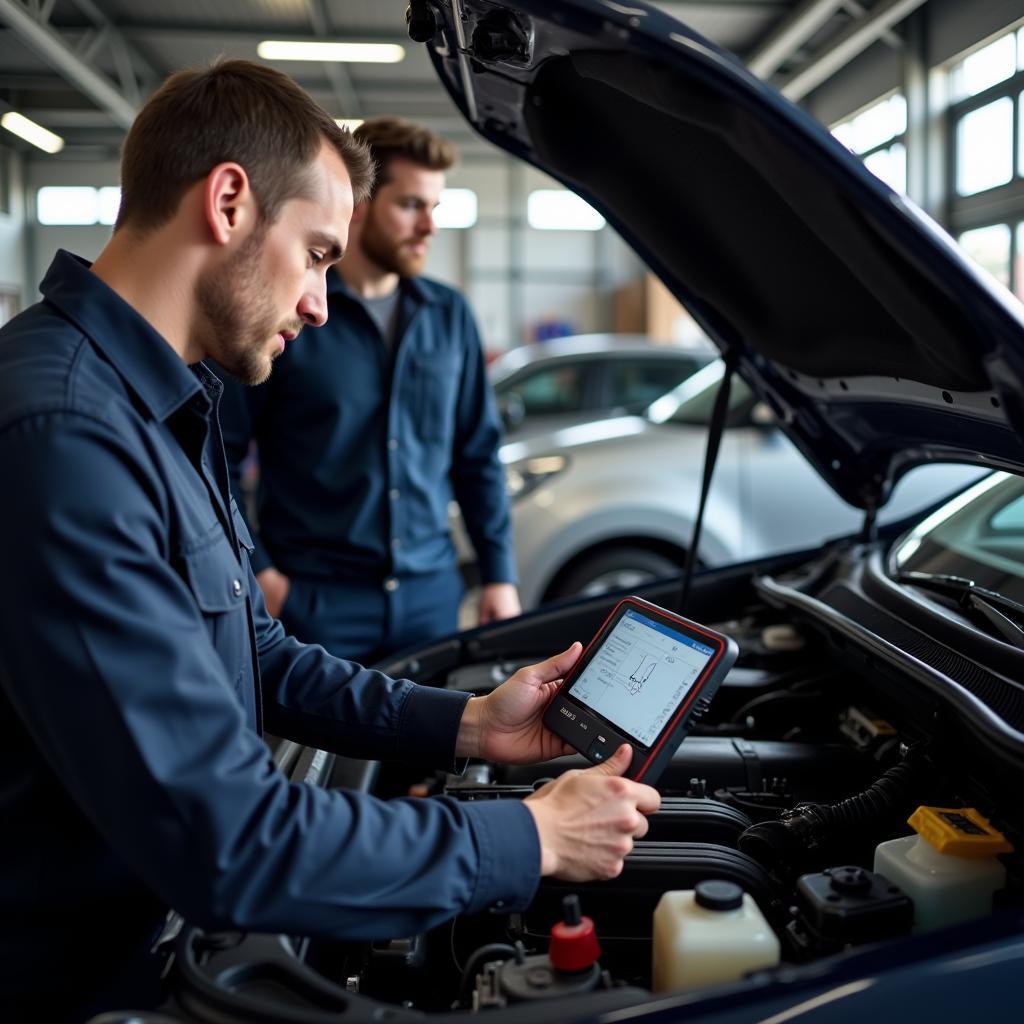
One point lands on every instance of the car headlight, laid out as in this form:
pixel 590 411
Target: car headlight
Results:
pixel 523 477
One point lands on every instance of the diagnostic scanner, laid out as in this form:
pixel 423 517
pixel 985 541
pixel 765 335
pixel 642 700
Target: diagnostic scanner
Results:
pixel 645 679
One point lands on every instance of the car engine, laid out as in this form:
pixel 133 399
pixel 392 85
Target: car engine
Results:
pixel 814 752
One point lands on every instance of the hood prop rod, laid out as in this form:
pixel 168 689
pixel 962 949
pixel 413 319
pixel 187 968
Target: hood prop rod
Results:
pixel 715 429
pixel 869 531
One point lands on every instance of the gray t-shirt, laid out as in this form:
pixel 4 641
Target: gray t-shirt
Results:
pixel 384 312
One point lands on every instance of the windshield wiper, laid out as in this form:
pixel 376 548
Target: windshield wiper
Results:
pixel 972 597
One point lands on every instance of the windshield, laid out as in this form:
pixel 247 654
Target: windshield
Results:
pixel 978 536
pixel 692 401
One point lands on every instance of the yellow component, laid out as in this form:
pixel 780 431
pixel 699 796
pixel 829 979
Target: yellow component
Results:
pixel 959 831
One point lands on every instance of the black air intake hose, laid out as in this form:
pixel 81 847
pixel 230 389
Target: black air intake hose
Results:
pixel 793 842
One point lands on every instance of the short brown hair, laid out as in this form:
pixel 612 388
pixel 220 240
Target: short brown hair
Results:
pixel 390 137
pixel 237 111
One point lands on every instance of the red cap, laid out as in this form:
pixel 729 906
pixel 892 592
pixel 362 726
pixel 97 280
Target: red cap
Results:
pixel 574 947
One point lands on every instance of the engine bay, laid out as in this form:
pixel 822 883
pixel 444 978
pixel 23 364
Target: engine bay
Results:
pixel 810 757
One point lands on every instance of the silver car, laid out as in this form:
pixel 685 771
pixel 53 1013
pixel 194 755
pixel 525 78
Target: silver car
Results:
pixel 556 383
pixel 610 504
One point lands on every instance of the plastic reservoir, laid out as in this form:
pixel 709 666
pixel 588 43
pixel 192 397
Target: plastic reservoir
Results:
pixel 949 869
pixel 707 935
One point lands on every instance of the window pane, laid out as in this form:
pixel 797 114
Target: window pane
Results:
pixel 890 165
pixel 456 208
pixel 636 383
pixel 872 127
pixel 991 64
pixel 1018 264
pixel 553 390
pixel 990 248
pixel 109 204
pixel 557 209
pixel 984 147
pixel 64 205
pixel 1020 133
pixel 696 411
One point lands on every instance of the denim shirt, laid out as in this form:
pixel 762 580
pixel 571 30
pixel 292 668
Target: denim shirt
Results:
pixel 361 453
pixel 137 662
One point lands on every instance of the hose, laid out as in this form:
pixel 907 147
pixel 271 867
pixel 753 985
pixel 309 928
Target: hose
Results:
pixel 784 845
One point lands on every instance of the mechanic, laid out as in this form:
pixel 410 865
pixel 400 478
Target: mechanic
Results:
pixel 138 664
pixel 368 429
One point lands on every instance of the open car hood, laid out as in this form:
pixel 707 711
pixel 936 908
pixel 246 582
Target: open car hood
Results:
pixel 876 342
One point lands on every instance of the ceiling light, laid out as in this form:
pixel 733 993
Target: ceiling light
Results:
pixel 351 123
pixel 18 124
pixel 364 53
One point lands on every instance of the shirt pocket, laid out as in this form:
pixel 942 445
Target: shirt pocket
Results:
pixel 220 588
pixel 434 379
pixel 215 578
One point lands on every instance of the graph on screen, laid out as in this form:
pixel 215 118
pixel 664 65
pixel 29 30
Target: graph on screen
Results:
pixel 641 675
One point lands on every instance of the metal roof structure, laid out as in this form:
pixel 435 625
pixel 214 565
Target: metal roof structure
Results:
pixel 81 68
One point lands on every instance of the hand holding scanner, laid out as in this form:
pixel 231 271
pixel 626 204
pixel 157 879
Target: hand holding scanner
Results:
pixel 645 679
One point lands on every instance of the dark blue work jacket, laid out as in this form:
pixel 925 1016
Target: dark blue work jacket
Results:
pixel 136 663
pixel 361 453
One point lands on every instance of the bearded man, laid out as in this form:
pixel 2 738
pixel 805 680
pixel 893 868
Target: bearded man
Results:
pixel 369 429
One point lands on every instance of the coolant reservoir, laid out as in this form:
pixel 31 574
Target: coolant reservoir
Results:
pixel 713 933
pixel 949 869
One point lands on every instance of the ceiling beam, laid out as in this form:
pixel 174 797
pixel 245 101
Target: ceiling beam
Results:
pixel 337 74
pixel 850 43
pixel 48 45
pixel 787 38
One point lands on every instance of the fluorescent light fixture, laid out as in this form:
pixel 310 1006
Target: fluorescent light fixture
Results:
pixel 351 123
pixel 360 53
pixel 456 208
pixel 57 204
pixel 18 124
pixel 557 209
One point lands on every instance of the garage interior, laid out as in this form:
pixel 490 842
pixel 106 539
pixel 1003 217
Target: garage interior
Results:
pixel 910 86
pixel 834 724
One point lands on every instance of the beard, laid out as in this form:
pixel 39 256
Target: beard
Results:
pixel 236 316
pixel 392 257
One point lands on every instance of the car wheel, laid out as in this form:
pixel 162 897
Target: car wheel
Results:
pixel 618 568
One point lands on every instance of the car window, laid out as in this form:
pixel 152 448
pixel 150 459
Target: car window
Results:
pixel 635 383
pixel 695 411
pixel 978 536
pixel 548 390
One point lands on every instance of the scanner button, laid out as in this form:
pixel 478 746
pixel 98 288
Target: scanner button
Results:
pixel 599 749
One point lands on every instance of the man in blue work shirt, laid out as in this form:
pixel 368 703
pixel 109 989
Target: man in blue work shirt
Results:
pixel 138 664
pixel 368 429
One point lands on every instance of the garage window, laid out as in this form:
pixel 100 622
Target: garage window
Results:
pixel 876 135
pixel 77 205
pixel 986 138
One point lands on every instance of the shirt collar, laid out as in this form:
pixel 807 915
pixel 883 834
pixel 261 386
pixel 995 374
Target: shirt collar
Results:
pixel 142 356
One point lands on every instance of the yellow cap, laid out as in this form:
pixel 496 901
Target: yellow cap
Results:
pixel 959 831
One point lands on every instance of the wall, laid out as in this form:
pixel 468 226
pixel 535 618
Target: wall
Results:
pixel 44 241
pixel 516 276
pixel 513 275
pixel 13 284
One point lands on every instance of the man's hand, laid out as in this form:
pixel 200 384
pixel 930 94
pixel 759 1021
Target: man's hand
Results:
pixel 498 601
pixel 588 818
pixel 275 586
pixel 506 725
